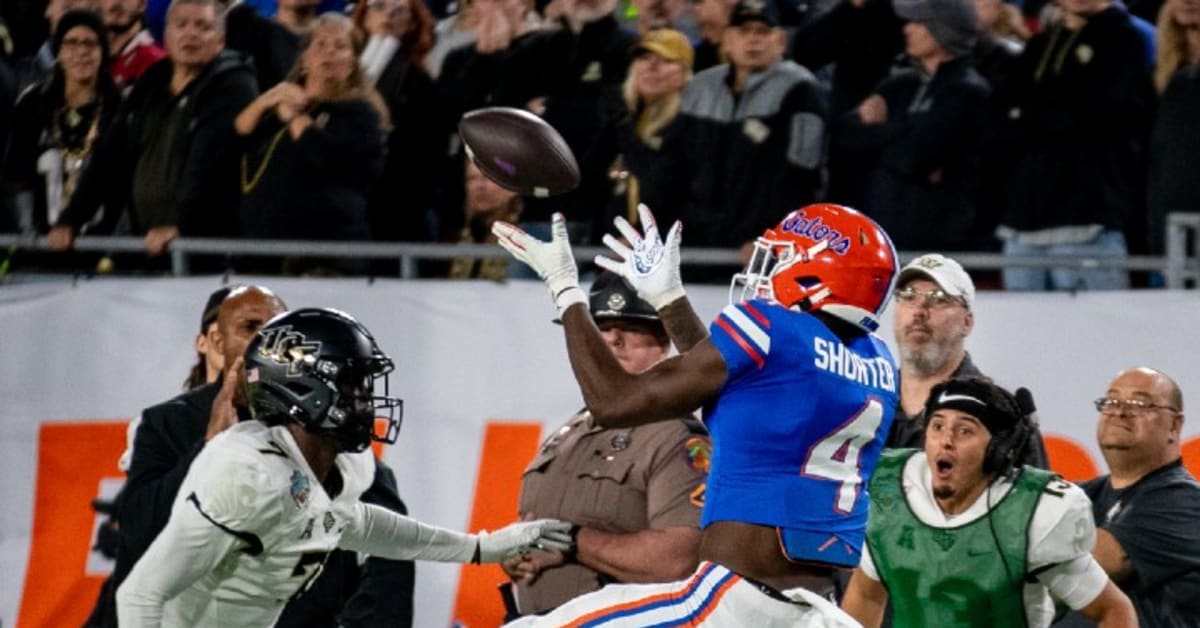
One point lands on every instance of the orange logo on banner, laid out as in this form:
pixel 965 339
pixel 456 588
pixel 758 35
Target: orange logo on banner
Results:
pixel 507 448
pixel 73 458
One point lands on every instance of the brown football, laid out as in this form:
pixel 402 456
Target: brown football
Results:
pixel 519 151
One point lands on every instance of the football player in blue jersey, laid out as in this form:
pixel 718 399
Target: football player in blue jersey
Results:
pixel 798 394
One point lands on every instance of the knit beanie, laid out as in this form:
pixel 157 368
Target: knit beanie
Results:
pixel 953 23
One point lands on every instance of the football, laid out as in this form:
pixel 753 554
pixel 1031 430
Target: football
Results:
pixel 519 151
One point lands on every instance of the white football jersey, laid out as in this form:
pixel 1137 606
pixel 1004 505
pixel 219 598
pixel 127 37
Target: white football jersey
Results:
pixel 254 518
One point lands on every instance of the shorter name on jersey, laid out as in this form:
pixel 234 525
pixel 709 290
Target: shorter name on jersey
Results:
pixel 876 372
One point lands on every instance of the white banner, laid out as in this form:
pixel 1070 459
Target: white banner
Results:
pixel 467 352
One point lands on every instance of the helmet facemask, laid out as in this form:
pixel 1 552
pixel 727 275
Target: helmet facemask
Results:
pixel 770 259
pixel 353 407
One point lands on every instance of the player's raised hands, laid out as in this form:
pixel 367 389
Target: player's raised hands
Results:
pixel 650 265
pixel 553 261
pixel 525 536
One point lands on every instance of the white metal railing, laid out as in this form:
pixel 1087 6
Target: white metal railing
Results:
pixel 1179 268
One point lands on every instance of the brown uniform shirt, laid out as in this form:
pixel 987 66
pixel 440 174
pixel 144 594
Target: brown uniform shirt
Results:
pixel 616 480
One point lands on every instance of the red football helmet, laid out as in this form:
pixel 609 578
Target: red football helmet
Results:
pixel 824 257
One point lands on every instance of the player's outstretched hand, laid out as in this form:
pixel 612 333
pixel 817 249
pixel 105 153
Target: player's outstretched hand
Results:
pixel 524 536
pixel 552 261
pixel 650 265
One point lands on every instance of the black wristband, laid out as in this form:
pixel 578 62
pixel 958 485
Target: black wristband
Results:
pixel 572 554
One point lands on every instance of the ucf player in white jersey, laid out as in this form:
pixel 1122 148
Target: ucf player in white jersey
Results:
pixel 267 500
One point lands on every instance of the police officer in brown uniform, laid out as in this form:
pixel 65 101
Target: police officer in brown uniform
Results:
pixel 634 494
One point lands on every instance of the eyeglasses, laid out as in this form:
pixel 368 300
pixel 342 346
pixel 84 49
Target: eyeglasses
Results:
pixel 934 299
pixel 1137 407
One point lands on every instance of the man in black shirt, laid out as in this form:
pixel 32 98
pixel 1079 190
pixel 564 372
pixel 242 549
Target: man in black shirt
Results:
pixel 1146 509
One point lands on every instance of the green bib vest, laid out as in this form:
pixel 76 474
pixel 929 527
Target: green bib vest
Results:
pixel 947 577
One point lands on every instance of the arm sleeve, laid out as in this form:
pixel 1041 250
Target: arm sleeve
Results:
pixel 384 596
pixel 674 492
pixel 1062 536
pixel 741 335
pixel 380 532
pixel 1076 582
pixel 189 547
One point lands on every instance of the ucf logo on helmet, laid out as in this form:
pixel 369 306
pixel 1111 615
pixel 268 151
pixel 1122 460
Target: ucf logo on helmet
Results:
pixel 283 345
pixel 800 224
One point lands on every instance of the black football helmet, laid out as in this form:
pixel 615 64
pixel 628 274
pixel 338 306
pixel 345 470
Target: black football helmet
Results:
pixel 318 367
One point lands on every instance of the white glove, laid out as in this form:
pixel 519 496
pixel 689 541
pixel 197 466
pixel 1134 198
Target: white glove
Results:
pixel 524 536
pixel 553 260
pixel 650 266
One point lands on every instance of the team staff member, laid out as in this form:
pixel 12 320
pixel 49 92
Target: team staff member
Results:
pixel 633 493
pixel 1146 508
pixel 958 536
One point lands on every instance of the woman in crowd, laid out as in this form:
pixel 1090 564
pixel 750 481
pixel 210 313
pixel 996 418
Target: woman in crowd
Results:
pixel 648 167
pixel 1175 138
pixel 58 121
pixel 399 35
pixel 486 203
pixel 314 146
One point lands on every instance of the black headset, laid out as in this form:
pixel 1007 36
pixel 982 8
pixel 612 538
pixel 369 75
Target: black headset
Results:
pixel 1007 449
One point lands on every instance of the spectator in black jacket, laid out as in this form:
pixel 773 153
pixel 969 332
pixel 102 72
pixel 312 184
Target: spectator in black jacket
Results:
pixel 273 43
pixel 399 35
pixel 172 433
pixel 168 154
pixel 1078 105
pixel 861 40
pixel 481 73
pixel 754 134
pixel 645 144
pixel 572 76
pixel 59 121
pixel 921 129
pixel 314 146
pixel 1175 139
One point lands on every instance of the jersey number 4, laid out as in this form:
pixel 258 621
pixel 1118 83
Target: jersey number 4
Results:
pixel 836 456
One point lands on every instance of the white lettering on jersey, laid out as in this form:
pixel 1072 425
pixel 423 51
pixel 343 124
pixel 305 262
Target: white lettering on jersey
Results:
pixel 836 358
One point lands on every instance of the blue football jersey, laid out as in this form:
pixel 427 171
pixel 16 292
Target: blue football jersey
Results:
pixel 797 428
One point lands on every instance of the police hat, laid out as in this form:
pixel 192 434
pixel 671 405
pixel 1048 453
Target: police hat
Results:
pixel 611 297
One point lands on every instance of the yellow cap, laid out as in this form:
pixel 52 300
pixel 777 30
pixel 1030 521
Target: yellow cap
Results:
pixel 668 44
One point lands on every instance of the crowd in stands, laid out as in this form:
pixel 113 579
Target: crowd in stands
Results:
pixel 1060 128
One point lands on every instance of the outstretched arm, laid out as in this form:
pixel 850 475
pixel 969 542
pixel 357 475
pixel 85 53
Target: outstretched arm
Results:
pixel 381 532
pixel 865 599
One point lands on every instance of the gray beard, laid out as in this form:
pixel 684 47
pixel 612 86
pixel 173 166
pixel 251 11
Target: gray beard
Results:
pixel 928 361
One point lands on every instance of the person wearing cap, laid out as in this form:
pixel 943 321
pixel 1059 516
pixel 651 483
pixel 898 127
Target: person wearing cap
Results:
pixel 959 534
pixel 1077 106
pixel 755 134
pixel 57 123
pixel 932 317
pixel 922 128
pixel 634 494
pixel 646 145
